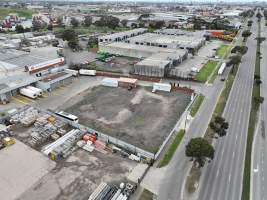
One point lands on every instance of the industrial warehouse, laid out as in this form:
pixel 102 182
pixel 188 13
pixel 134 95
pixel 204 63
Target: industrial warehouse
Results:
pixel 159 52
pixel 21 69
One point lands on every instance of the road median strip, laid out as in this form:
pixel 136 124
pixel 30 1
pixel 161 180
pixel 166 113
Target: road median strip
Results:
pixel 255 104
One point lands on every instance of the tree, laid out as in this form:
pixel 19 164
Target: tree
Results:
pixel 69 34
pixel 246 34
pixel 200 150
pixel 259 16
pixel 157 24
pixel 259 100
pixel 36 25
pixel 234 60
pixel 87 21
pixel 240 49
pixel 124 22
pixel 221 132
pixel 73 44
pixel 20 29
pixel 92 42
pixel 109 21
pixel 74 22
pixel 50 27
pixel 219 120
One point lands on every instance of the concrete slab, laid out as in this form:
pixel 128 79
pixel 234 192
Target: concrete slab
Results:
pixel 20 168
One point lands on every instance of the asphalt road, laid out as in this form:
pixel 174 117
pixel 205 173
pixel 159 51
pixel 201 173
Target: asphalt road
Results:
pixel 222 178
pixel 259 156
pixel 178 168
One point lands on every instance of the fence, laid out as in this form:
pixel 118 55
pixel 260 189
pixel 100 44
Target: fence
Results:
pixel 106 138
pixel 173 131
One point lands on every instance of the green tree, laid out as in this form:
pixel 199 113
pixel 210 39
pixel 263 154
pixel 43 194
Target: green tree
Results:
pixel 74 22
pixel 87 21
pixel 200 150
pixel 124 22
pixel 20 29
pixel 69 34
pixel 73 44
pixel 109 21
pixel 234 60
pixel 37 25
pixel 246 34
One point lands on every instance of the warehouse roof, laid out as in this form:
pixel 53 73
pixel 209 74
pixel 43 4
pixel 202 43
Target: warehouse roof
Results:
pixel 181 40
pixel 144 48
pixel 20 58
pixel 121 34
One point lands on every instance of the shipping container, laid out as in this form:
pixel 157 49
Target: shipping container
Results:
pixel 162 87
pixel 72 72
pixel 87 72
pixel 110 82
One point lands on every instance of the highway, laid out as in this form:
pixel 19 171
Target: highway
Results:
pixel 259 156
pixel 177 170
pixel 222 178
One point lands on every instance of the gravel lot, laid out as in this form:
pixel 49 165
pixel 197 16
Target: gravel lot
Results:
pixel 139 116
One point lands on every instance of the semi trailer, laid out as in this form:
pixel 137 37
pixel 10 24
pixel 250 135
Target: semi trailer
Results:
pixel 36 90
pixel 28 93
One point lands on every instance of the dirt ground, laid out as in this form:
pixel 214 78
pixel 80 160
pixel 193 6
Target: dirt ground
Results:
pixel 117 64
pixel 77 177
pixel 139 116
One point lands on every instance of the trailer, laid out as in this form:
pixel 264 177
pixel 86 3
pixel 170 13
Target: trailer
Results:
pixel 87 72
pixel 221 69
pixel 72 72
pixel 36 90
pixel 28 93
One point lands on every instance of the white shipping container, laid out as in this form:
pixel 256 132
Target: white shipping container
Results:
pixel 28 93
pixel 72 72
pixel 36 90
pixel 110 82
pixel 87 72
pixel 162 87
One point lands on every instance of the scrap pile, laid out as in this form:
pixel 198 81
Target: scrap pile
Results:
pixel 108 192
pixel 46 127
pixel 64 146
pixel 26 117
pixel 90 142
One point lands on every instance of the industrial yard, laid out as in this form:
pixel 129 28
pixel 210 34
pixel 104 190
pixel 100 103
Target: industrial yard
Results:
pixel 79 175
pixel 139 116
pixel 72 172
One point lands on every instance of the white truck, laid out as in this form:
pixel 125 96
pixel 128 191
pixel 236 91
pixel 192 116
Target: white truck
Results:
pixel 28 93
pixel 221 69
pixel 87 72
pixel 36 90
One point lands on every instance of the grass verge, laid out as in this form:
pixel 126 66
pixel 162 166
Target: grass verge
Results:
pixel 146 195
pixel 206 71
pixel 221 52
pixel 27 13
pixel 169 154
pixel 196 105
pixel 251 127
